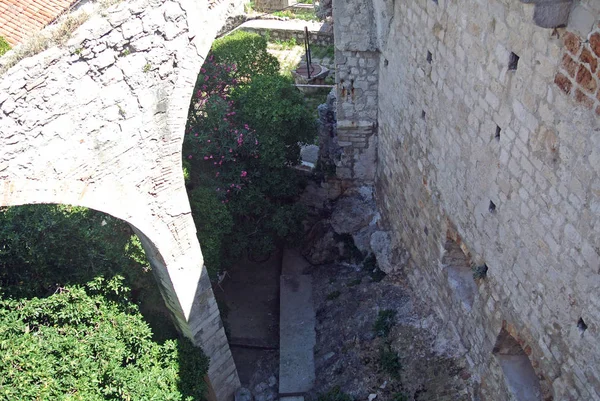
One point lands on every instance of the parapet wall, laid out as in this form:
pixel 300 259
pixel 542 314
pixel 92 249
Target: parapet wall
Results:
pixel 489 156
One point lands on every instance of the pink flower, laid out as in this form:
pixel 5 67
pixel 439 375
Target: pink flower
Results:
pixel 205 78
pixel 230 150
pixel 244 173
pixel 209 139
pixel 205 157
pixel 190 156
pixel 195 134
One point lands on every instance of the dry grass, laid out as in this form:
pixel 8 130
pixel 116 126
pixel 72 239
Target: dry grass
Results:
pixel 56 35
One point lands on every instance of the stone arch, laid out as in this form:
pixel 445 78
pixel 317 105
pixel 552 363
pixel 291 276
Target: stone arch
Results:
pixel 519 375
pixel 100 122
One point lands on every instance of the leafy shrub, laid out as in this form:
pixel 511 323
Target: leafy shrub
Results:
pixel 335 394
pixel 4 46
pixel 386 319
pixel 45 246
pixel 247 52
pixel 278 113
pixel 243 134
pixel 90 343
pixel 333 295
pixel 389 361
pixel 213 222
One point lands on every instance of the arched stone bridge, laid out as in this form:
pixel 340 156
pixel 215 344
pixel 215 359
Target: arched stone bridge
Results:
pixel 99 123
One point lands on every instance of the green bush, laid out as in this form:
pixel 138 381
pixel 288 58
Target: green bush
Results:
pixel 4 46
pixel 213 222
pixel 386 319
pixel 244 129
pixel 90 343
pixel 45 246
pixel 247 52
pixel 389 361
pixel 276 109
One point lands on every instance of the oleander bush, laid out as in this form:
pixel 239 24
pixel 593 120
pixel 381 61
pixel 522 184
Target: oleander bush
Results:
pixel 244 130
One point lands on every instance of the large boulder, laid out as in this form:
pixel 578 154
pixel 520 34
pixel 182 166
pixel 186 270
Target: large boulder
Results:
pixel 354 211
pixel 389 258
pixel 321 245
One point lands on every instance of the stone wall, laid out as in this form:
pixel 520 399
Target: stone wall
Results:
pixel 317 37
pixel 489 157
pixel 273 5
pixel 99 123
pixel 357 67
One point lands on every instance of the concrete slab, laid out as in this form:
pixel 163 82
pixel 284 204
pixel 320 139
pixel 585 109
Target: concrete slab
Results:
pixel 297 335
pixel 293 263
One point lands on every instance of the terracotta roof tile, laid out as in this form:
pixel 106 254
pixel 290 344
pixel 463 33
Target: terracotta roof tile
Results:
pixel 20 19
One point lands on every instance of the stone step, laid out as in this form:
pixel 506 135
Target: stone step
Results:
pixel 296 328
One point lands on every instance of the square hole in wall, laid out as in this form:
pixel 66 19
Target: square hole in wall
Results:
pixel 492 207
pixel 423 114
pixel 435 1
pixel 513 61
pixel 429 57
pixel 497 134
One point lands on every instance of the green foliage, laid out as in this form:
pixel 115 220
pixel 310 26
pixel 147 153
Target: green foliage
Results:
pixel 299 13
pixel 335 394
pixel 321 52
pixel 389 361
pixel 333 295
pixel 4 46
pixel 400 397
pixel 44 246
pixel 213 222
pixel 286 44
pixel 247 52
pixel 278 113
pixel 386 319
pixel 243 134
pixel 90 343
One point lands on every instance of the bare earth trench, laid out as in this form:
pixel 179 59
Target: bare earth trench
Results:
pixel 347 353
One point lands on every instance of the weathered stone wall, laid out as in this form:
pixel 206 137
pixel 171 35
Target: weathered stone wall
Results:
pixel 483 145
pixel 357 68
pixel 100 123
pixel 321 38
pixel 273 5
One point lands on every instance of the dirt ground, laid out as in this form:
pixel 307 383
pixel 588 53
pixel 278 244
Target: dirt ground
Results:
pixel 400 366
pixel 249 302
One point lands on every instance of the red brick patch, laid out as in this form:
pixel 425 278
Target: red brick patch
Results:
pixel 585 79
pixel 588 58
pixel 572 43
pixel 569 65
pixel 584 99
pixel 563 83
pixel 595 43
